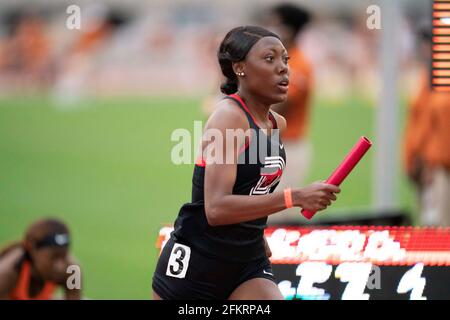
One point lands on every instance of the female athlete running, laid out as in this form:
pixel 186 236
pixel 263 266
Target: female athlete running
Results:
pixel 217 250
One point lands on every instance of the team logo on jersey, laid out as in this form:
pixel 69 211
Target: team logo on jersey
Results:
pixel 270 175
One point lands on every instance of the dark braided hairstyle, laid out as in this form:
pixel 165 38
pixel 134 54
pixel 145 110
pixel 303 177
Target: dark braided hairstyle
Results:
pixel 234 48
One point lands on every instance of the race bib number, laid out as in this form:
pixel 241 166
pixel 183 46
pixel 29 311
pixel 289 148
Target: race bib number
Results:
pixel 178 261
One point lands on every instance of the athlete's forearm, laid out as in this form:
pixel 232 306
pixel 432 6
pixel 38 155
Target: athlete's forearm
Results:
pixel 232 209
pixel 73 294
pixel 7 281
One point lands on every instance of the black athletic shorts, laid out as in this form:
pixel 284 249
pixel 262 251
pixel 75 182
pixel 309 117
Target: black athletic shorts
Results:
pixel 183 273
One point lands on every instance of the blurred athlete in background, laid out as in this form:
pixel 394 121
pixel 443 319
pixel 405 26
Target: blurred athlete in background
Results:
pixel 427 144
pixel 288 21
pixel 34 268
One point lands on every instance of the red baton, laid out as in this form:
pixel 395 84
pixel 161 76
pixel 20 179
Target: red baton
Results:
pixel 346 166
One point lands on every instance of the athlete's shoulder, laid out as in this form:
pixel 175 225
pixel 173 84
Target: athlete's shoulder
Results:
pixel 8 271
pixel 228 114
pixel 281 121
pixel 11 258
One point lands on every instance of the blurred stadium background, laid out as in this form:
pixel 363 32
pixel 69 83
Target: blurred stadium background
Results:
pixel 86 116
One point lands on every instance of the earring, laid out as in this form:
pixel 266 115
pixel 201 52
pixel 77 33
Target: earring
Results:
pixel 241 74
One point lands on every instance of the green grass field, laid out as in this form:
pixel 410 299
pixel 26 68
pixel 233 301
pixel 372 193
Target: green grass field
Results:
pixel 105 169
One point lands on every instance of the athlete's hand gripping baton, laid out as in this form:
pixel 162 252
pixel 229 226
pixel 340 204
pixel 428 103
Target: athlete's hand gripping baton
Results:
pixel 346 166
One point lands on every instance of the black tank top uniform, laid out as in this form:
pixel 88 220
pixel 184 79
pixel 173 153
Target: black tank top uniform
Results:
pixel 242 241
pixel 219 258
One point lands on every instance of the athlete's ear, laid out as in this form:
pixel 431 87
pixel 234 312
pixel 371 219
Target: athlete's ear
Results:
pixel 238 68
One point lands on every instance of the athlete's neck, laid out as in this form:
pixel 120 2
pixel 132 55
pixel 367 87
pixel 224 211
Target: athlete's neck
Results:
pixel 258 109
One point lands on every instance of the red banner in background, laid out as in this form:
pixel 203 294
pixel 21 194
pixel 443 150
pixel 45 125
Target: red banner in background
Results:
pixel 334 245
pixel 379 245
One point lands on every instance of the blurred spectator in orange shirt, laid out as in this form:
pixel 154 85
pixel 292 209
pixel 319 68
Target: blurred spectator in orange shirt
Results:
pixel 93 36
pixel 427 146
pixel 27 52
pixel 288 21
pixel 83 56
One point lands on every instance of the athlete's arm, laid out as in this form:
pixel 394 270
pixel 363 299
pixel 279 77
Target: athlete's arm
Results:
pixel 221 206
pixel 8 275
pixel 72 294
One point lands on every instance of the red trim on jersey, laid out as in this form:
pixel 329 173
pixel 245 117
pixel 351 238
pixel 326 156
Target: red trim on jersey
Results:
pixel 235 96
pixel 246 144
pixel 272 119
pixel 271 116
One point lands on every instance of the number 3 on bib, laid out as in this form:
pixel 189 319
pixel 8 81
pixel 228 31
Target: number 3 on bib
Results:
pixel 178 261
